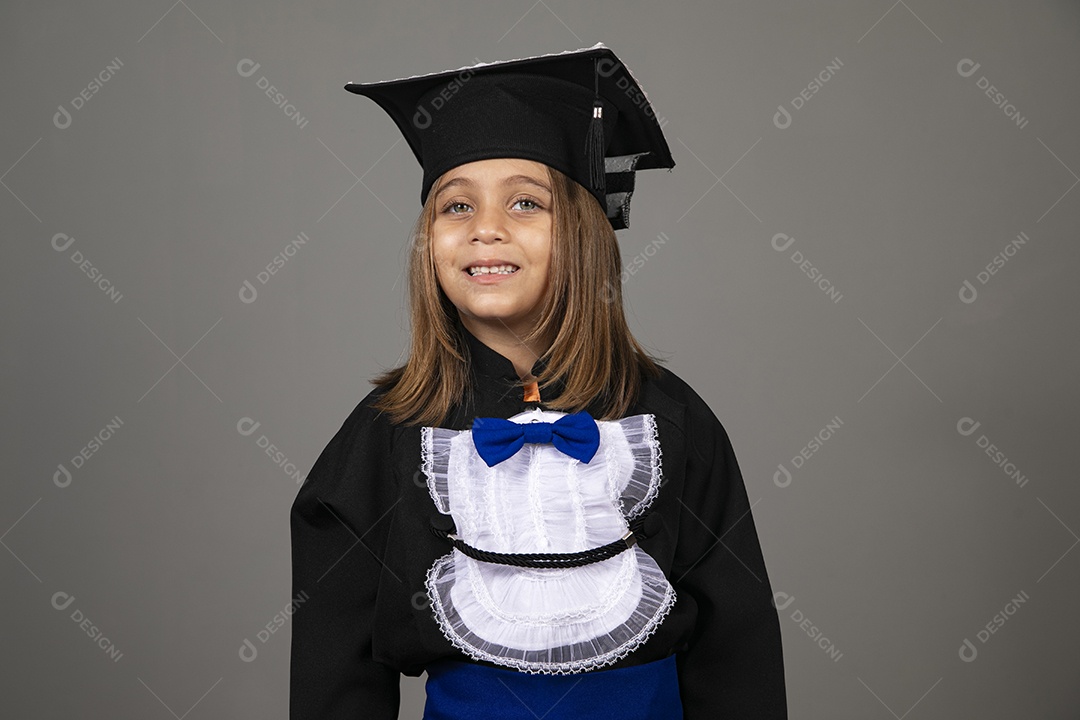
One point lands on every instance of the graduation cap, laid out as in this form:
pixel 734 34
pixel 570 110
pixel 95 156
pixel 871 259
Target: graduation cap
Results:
pixel 580 111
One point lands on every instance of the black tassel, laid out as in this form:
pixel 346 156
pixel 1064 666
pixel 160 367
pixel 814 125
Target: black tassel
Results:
pixel 594 143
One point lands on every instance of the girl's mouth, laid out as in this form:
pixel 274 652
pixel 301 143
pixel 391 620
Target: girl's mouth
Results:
pixel 475 270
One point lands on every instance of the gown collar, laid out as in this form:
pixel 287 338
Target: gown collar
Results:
pixel 491 364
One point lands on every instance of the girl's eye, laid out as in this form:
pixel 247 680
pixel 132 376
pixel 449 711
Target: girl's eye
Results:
pixel 529 203
pixel 456 208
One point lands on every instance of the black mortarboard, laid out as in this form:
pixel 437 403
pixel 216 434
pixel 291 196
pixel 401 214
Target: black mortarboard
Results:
pixel 581 112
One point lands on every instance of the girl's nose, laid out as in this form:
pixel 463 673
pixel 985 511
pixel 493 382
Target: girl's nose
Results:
pixel 489 225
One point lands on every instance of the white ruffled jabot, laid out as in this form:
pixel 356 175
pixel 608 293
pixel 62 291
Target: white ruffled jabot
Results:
pixel 547 620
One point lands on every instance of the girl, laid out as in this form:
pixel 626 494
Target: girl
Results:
pixel 530 509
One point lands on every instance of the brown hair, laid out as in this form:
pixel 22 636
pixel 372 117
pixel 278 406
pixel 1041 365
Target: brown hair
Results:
pixel 591 349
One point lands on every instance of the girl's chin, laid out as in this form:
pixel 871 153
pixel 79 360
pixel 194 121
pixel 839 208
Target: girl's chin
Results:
pixel 497 319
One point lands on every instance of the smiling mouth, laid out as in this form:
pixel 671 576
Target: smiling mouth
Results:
pixel 491 270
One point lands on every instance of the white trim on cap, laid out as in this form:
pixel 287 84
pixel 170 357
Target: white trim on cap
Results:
pixel 597 46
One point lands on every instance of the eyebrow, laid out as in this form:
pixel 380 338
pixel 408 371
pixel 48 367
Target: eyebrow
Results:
pixel 462 181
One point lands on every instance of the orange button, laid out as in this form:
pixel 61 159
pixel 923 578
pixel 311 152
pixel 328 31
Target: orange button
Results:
pixel 532 392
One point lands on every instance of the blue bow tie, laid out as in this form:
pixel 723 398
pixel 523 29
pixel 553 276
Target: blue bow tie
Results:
pixel 497 439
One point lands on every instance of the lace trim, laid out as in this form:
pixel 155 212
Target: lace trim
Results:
pixel 436 486
pixel 656 601
pixel 534 481
pixel 647 476
pixel 581 519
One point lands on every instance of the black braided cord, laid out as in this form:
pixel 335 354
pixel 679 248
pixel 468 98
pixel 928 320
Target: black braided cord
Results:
pixel 542 560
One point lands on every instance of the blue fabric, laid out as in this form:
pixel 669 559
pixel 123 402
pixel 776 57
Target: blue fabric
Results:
pixel 497 439
pixel 467 691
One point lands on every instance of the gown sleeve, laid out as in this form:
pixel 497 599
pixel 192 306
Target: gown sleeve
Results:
pixel 733 666
pixel 339 522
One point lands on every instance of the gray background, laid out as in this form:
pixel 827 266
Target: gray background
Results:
pixel 898 540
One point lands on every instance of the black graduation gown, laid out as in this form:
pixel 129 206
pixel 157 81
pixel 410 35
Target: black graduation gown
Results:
pixel 362 544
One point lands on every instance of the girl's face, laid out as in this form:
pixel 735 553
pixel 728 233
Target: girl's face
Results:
pixel 491 240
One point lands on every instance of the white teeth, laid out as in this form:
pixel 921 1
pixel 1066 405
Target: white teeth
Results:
pixel 492 269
